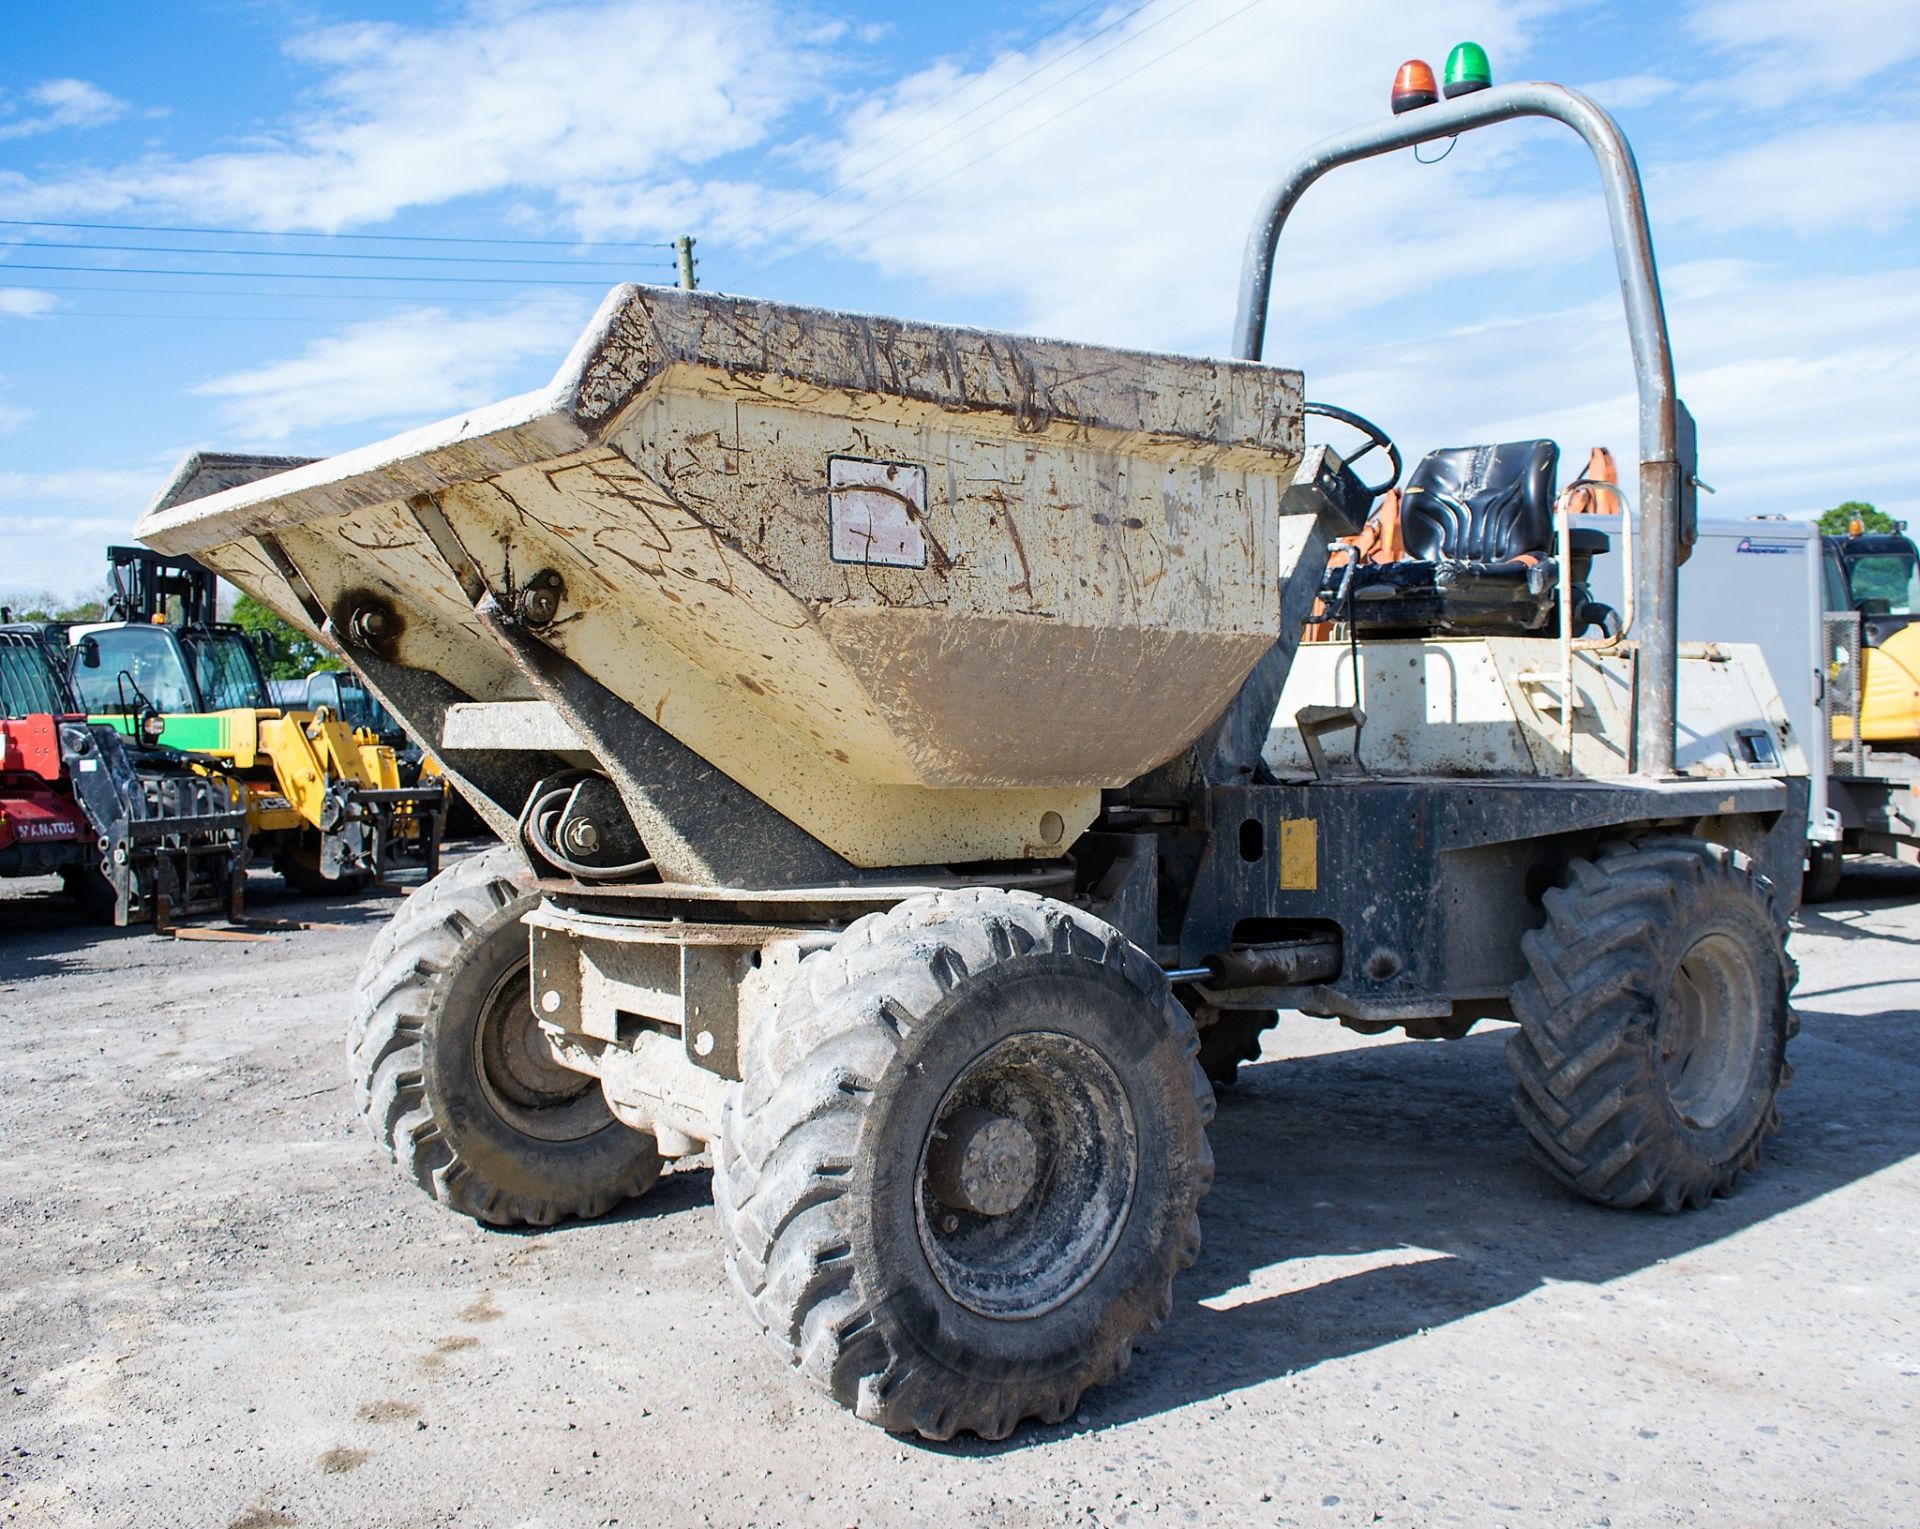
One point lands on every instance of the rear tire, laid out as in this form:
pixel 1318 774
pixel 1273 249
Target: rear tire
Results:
pixel 1654 1024
pixel 1825 866
pixel 308 882
pixel 966 1162
pixel 452 1074
pixel 1229 1037
pixel 92 894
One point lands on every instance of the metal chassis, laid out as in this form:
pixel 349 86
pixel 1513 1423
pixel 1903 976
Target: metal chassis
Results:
pixel 1423 888
pixel 1879 812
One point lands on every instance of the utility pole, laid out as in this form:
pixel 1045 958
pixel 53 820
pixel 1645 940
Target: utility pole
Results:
pixel 684 244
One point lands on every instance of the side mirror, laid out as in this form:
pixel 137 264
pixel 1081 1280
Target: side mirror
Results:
pixel 269 648
pixel 89 653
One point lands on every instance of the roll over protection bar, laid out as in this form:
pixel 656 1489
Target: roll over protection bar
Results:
pixel 1668 485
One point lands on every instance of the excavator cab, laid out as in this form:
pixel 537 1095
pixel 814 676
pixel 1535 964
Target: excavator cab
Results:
pixel 1876 575
pixel 1882 574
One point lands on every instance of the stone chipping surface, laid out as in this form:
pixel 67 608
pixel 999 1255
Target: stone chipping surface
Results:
pixel 220 1305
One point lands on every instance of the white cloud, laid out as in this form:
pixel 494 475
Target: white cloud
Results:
pixel 82 485
pixel 1801 385
pixel 416 365
pixel 55 526
pixel 1103 190
pixel 1856 177
pixel 1779 50
pixel 1630 91
pixel 573 102
pixel 60 104
pixel 26 302
pixel 12 416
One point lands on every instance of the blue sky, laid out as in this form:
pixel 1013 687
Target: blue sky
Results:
pixel 1081 170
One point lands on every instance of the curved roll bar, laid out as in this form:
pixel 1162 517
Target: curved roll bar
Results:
pixel 1667 481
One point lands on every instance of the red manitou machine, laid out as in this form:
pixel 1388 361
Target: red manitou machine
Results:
pixel 136 833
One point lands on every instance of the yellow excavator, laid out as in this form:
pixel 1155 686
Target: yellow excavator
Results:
pixel 1871 696
pixel 1876 575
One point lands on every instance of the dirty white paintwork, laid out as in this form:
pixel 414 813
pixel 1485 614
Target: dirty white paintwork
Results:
pixel 1469 706
pixel 1101 534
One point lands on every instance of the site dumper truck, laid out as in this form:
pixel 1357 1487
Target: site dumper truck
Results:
pixel 891 732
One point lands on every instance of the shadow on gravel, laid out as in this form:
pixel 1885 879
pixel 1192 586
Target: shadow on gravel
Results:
pixel 1364 1196
pixel 1870 884
pixel 42 935
pixel 680 1189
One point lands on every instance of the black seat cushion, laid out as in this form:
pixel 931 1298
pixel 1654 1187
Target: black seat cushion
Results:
pixel 1481 504
pixel 1469 516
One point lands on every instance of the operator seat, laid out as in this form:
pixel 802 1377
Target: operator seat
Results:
pixel 1477 523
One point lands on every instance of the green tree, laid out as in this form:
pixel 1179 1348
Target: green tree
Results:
pixel 1836 520
pixel 44 605
pixel 294 654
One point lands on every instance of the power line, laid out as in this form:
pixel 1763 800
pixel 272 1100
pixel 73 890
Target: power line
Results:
pixel 317 320
pixel 137 270
pixel 843 186
pixel 262 233
pixel 260 292
pixel 165 249
pixel 861 222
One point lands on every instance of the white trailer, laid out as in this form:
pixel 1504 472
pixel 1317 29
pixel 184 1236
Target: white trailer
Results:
pixel 1775 583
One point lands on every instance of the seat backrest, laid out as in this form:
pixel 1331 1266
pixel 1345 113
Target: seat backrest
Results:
pixel 1483 504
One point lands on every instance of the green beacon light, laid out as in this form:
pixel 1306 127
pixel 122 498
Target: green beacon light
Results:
pixel 1467 70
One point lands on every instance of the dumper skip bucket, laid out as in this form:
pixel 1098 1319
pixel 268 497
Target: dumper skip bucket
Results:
pixel 923 590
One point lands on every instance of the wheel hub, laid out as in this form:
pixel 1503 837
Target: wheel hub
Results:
pixel 1026 1175
pixel 982 1162
pixel 1708 1032
pixel 518 1074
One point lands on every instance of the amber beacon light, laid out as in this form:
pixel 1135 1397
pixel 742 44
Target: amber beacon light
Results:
pixel 1413 86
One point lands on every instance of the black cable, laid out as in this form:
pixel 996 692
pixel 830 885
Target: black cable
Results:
pixel 288 233
pixel 540 824
pixel 165 249
pixel 317 320
pixel 140 270
pixel 276 296
pixel 1438 157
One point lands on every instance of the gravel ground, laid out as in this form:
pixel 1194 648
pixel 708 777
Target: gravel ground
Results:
pixel 219 1305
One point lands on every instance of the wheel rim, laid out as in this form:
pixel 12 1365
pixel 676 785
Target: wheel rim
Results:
pixel 1026 1176
pixel 522 1082
pixel 1708 1031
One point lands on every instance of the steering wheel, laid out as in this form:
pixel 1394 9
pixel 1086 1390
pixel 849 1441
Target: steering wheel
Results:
pixel 1377 440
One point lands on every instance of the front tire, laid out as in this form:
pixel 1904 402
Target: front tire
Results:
pixel 454 1077
pixel 966 1162
pixel 1653 1024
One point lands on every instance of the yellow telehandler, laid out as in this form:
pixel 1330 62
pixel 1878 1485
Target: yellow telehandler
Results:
pixel 324 801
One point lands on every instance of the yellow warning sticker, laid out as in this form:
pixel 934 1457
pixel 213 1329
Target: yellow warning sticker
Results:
pixel 1299 856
